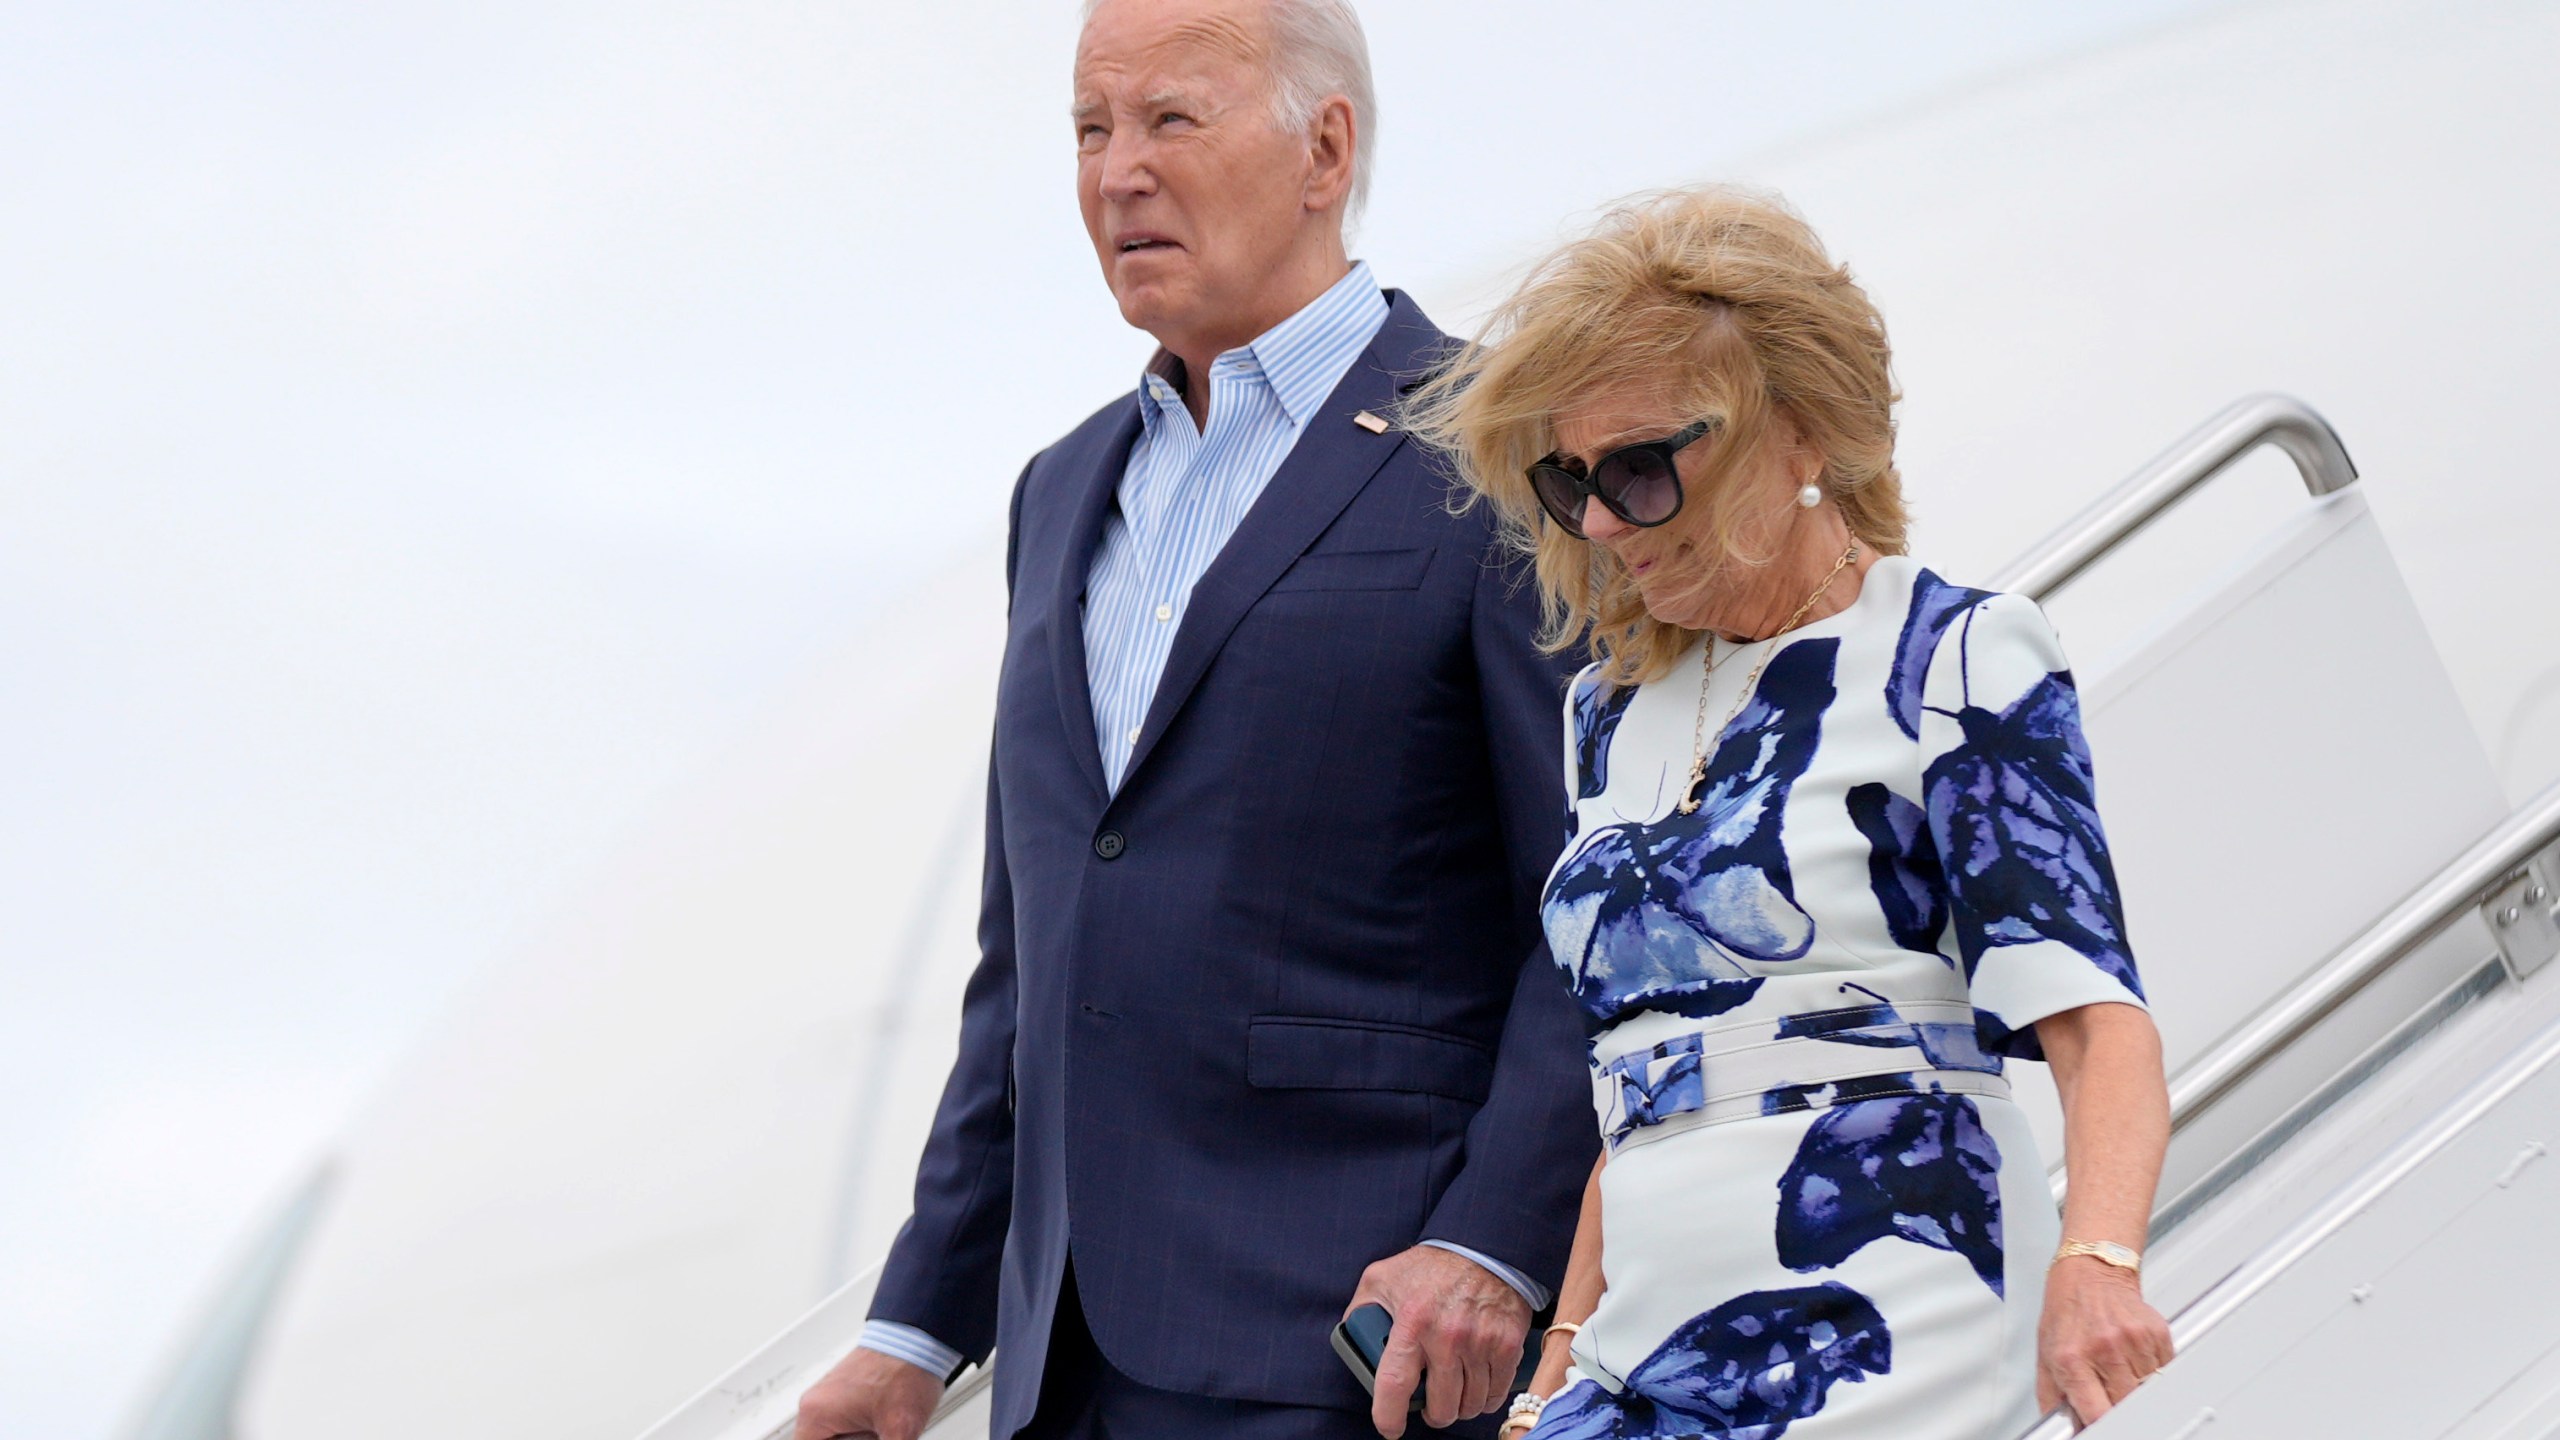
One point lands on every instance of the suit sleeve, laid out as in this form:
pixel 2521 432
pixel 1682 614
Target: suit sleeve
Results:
pixel 1529 1149
pixel 941 1274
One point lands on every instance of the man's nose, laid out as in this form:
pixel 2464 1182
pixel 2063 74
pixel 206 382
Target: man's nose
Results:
pixel 1125 171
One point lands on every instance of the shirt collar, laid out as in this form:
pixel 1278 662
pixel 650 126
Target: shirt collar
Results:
pixel 1302 358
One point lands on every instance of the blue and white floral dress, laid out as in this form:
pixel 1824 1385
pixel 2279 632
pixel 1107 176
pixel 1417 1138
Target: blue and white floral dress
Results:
pixel 1822 1214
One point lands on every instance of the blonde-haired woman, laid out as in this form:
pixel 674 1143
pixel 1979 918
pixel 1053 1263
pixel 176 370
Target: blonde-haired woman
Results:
pixel 1835 859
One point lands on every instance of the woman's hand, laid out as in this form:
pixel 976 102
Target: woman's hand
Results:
pixel 2098 1339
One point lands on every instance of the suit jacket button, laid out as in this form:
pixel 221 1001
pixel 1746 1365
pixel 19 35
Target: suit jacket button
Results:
pixel 1109 844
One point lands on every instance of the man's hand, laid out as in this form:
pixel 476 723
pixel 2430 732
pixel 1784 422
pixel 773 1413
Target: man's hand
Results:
pixel 868 1394
pixel 1458 1331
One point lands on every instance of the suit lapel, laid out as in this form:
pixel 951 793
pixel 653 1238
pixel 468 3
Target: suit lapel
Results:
pixel 1328 466
pixel 1098 472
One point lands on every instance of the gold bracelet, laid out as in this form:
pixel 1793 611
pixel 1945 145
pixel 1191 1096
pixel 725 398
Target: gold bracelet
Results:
pixel 1566 1328
pixel 2123 1257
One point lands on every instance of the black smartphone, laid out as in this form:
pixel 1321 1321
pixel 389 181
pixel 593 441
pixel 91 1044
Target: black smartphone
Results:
pixel 1361 1340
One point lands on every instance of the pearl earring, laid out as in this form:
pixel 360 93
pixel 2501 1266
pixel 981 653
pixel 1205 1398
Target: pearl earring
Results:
pixel 1809 496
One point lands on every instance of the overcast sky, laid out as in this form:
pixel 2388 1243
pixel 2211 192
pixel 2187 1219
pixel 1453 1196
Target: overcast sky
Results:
pixel 427 430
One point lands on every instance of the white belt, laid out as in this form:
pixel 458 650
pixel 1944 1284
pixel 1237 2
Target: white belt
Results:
pixel 1801 1062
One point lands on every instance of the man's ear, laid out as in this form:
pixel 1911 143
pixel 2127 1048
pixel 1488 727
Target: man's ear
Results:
pixel 1330 150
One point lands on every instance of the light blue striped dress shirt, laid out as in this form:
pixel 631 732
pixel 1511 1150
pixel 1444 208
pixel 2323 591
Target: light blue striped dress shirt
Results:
pixel 1185 491
pixel 1181 497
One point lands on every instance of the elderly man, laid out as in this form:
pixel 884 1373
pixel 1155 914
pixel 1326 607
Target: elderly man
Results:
pixel 1263 1029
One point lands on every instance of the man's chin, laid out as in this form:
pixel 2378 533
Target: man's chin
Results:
pixel 1148 307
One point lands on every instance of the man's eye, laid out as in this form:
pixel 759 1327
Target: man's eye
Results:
pixel 1172 117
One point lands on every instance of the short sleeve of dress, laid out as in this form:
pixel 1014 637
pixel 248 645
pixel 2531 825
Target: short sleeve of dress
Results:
pixel 2012 805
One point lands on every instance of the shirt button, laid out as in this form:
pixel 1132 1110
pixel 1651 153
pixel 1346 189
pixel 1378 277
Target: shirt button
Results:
pixel 1109 844
pixel 1133 735
pixel 1164 612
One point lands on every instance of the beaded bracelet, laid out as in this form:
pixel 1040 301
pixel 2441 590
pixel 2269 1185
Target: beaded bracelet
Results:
pixel 1525 1407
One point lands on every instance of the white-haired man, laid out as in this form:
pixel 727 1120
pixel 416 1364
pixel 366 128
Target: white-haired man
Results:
pixel 1262 1029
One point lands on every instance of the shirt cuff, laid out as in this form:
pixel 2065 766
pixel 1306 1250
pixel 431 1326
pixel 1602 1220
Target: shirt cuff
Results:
pixel 1530 1290
pixel 906 1342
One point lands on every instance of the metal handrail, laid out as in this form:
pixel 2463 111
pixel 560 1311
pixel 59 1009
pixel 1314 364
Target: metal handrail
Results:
pixel 2204 452
pixel 2267 418
pixel 759 1397
pixel 2357 1195
pixel 2465 884
pixel 2423 1143
pixel 963 1390
pixel 2461 885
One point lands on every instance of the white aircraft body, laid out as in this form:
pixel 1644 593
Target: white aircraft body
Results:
pixel 2324 697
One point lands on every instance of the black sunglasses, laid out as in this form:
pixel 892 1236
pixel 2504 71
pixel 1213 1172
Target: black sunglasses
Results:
pixel 1639 483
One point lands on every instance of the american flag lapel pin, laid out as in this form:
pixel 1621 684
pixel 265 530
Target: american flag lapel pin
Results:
pixel 1374 424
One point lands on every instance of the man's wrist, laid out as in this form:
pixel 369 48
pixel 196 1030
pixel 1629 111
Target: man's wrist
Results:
pixel 1527 1289
pixel 906 1342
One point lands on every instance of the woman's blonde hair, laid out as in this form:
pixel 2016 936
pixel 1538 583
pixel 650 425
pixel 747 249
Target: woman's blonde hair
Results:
pixel 1723 303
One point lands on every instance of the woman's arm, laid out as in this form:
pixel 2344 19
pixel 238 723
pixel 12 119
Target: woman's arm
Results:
pixel 2099 1338
pixel 1580 1294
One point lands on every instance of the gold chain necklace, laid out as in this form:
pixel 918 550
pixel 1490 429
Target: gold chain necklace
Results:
pixel 1698 742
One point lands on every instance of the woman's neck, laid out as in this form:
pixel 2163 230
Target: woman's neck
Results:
pixel 1812 559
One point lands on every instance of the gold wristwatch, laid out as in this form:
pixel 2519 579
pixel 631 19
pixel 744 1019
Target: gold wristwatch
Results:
pixel 2123 1257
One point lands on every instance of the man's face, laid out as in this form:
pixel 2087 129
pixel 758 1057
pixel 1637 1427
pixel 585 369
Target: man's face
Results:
pixel 1192 195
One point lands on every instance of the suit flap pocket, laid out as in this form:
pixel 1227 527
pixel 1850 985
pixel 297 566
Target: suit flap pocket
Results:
pixel 1285 1052
pixel 1357 570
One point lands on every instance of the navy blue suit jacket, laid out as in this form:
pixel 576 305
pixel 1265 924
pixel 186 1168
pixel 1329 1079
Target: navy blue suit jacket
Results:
pixel 1280 1007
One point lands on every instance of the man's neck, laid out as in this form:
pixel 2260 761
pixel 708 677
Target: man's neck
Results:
pixel 1198 352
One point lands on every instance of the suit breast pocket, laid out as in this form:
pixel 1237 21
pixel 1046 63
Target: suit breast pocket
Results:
pixel 1357 570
